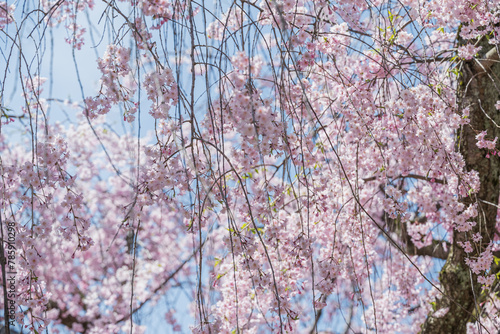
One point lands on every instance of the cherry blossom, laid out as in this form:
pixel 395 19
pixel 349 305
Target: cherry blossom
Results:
pixel 283 165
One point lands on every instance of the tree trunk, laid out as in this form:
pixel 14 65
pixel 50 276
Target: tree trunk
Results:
pixel 478 91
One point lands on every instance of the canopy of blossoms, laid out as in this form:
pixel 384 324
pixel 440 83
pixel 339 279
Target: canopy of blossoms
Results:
pixel 287 166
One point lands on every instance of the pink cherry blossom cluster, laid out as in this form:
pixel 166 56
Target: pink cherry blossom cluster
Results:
pixel 67 12
pixel 482 262
pixel 483 143
pixel 156 8
pixel 6 14
pixel 226 23
pixel 468 51
pixel 76 32
pixel 162 91
pixel 115 68
pixel 141 35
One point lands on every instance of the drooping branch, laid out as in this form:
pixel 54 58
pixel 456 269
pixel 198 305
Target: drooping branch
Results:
pixel 485 63
pixel 161 286
pixel 409 176
pixel 437 249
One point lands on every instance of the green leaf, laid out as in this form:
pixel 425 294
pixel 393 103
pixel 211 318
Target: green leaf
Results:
pixel 455 71
pixel 254 231
pixel 392 38
pixel 247 176
pixel 391 17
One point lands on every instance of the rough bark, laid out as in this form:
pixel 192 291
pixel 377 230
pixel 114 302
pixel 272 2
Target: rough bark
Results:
pixel 477 90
